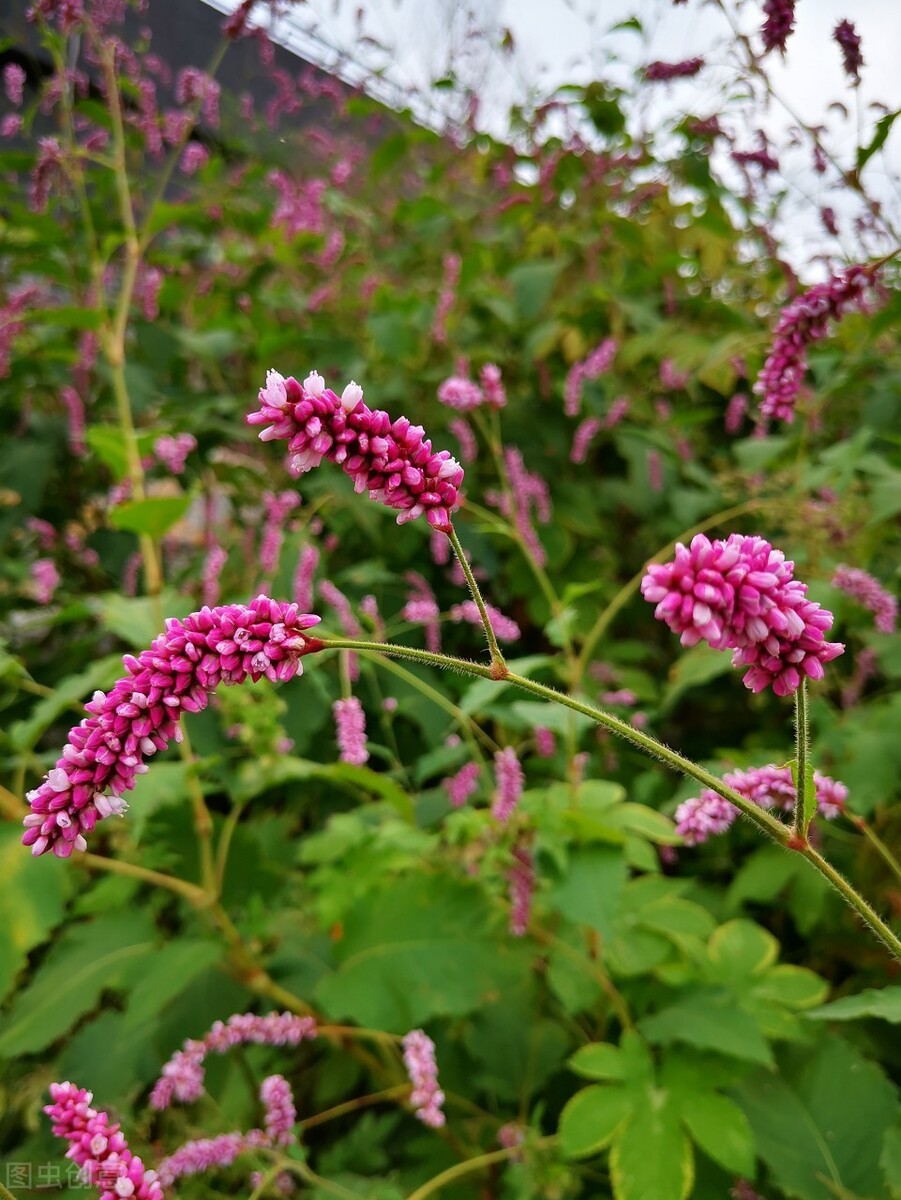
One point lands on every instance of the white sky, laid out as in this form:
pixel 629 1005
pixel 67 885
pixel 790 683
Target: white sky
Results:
pixel 565 41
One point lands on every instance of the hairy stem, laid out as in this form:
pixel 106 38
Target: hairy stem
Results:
pixel 499 666
pixel 480 1163
pixel 802 759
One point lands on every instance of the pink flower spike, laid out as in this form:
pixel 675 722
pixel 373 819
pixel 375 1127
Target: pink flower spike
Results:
pixel 351 730
pixel 461 786
pixel 98 1147
pixel 140 715
pixel 868 591
pixel 391 460
pixel 426 1097
pixel 509 781
pixel 276 1095
pixel 521 879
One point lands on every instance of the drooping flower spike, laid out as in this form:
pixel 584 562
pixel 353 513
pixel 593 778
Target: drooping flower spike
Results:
pixel 740 594
pixel 391 460
pixel 140 715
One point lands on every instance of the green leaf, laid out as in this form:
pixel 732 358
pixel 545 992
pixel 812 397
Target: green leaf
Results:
pixel 599 1060
pixel 108 443
pixel 32 901
pixel 170 971
pixel 69 691
pixel 883 129
pixel 793 987
pixel 696 667
pixel 721 1130
pixel 820 1123
pixel 872 1002
pixel 644 822
pixel 532 284
pixel 154 515
pixel 591 1118
pixel 710 1019
pixel 810 792
pixel 164 784
pixel 591 888
pixel 740 949
pixel 652 1156
pixel 394 959
pixel 133 618
pixel 890 1161
pixel 86 959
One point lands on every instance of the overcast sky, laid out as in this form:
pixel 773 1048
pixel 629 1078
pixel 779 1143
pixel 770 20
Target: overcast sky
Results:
pixel 564 41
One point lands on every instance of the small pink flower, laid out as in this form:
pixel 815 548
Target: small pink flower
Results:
pixel 509 779
pixel 663 72
pixel 172 452
pixel 505 629
pixel 461 786
pixel 521 879
pixel 426 1097
pixel 194 158
pixel 14 83
pixel 868 591
pixel 848 41
pixel 493 385
pixel 545 743
pixel 350 721
pixel 583 438
pixel 46 579
pixel 276 1094
pixel 461 394
pixel 779 24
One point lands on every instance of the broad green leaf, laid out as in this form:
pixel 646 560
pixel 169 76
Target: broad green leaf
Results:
pixel 740 949
pixel 134 618
pixel 600 1060
pixel 252 779
pixel 721 1130
pixel 710 1019
pixel 32 901
pixel 108 1051
pixel 154 515
pixel 890 1161
pixel 794 987
pixel 652 1156
pixel 394 961
pixel 164 784
pixel 172 969
pixel 108 443
pixel 871 1002
pixel 821 1122
pixel 590 1119
pixel 883 129
pixel 87 959
pixel 591 888
pixel 73 690
pixel 694 668
pixel 532 284
pixel 644 822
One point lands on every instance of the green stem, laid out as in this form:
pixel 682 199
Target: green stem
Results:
pixel 498 665
pixel 480 1163
pixel 802 758
pixel 877 843
pixel 857 902
pixel 5 1193
pixel 189 891
pixel 340 1110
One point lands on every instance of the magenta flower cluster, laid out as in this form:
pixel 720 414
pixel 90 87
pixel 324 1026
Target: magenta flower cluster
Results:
pixel 521 879
pixel 868 591
pixel 740 594
pixel 350 730
pixel 182 1076
pixel 848 40
pixel 140 715
pixel 663 72
pixel 806 319
pixel 392 460
pixel 462 785
pixel 779 23
pixel 426 1097
pixel 704 816
pixel 593 366
pixel 509 780
pixel 99 1147
pixel 464 394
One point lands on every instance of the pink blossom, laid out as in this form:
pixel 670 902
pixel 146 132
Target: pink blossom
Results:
pixel 172 452
pixel 848 41
pixel 195 157
pixel 806 319
pixel 521 879
pixel 710 814
pixel 868 591
pixel 107 751
pixel 655 470
pixel 350 722
pixel 469 447
pixel 47 169
pixel 215 560
pixel 493 385
pixel 740 594
pixel 426 1097
pixel 299 208
pixel 597 363
pixel 461 394
pixel 45 578
pixel 761 157
pixel 422 609
pixel 276 1094
pixel 191 85
pixel 505 629
pixel 393 461
pixel 278 507
pixel 663 72
pixel 545 743
pixel 14 82
pixel 461 786
pixel 583 437
pixel 10 125
pixel 529 492
pixel 616 412
pixel 779 23
pixel 446 297
pixel 302 589
pixel 509 779
pixel 510 1135
pixel 182 1076
pixel 98 1146
pixel 672 378
pixel 623 697
pixel 735 412
pixel 147 293
pixel 205 1154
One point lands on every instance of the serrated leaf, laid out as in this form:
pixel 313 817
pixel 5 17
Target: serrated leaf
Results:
pixel 591 1118
pixel 600 1060
pixel 153 516
pixel 721 1130
pixel 32 901
pixel 884 1003
pixel 86 959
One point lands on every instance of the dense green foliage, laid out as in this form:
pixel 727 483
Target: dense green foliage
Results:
pixel 674 1019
